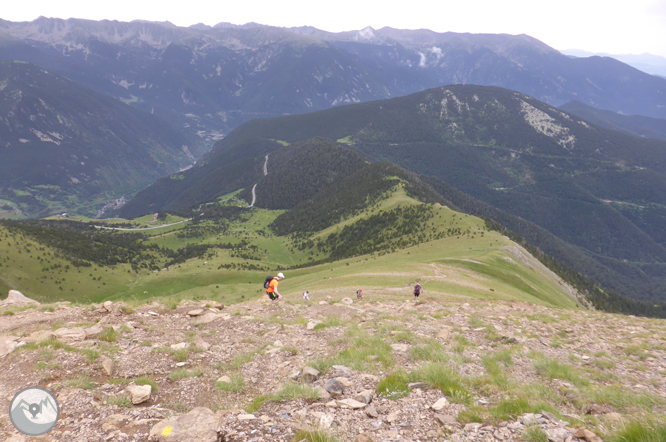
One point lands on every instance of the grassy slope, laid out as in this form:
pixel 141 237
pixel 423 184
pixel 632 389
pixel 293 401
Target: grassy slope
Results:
pixel 475 266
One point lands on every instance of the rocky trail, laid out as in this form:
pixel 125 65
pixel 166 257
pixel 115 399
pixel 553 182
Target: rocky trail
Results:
pixel 259 371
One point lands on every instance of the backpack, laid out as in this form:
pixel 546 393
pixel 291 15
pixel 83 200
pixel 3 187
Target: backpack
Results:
pixel 268 281
pixel 417 289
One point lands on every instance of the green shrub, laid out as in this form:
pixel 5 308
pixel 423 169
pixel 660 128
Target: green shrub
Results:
pixel 445 379
pixel 534 433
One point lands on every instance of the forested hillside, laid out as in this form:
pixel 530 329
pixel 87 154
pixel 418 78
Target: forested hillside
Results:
pixel 598 190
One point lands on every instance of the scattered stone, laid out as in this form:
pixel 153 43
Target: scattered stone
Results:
pixel 364 437
pixel 309 374
pixel 583 433
pixel 332 404
pixel 278 344
pixel 445 419
pixel 38 336
pixel 444 333
pixel 392 417
pixel 196 312
pixel 206 319
pixel 311 325
pixel 200 425
pixel 295 374
pixel 334 387
pixel 596 409
pixel 108 306
pixel 180 346
pixel 365 396
pixel 224 379
pixel 7 345
pixel 139 393
pixel 323 303
pixel 323 394
pixel 440 404
pixel 556 434
pixel 347 301
pixel 246 417
pixel 400 347
pixel 338 371
pixel 472 427
pixel 371 412
pixel 351 403
pixel 93 332
pixel 108 365
pixel 200 343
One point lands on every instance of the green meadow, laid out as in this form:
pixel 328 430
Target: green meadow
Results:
pixel 475 264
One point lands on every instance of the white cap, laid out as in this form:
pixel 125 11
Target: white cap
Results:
pixel 281 275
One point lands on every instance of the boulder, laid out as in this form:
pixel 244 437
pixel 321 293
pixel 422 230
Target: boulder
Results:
pixel 371 412
pixel 338 371
pixel 309 374
pixel 17 298
pixel 139 393
pixel 93 332
pixel 206 319
pixel 71 334
pixel 200 343
pixel 347 301
pixel 200 425
pixel 108 306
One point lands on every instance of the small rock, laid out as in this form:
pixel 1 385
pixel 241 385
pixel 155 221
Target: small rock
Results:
pixel 444 333
pixel 440 404
pixel 200 425
pixel 323 303
pixel 224 379
pixel 338 371
pixel 323 394
pixel 365 396
pixel 196 312
pixel 246 417
pixel 278 344
pixel 309 374
pixel 311 325
pixel 332 404
pixel 7 345
pixel 472 427
pixel 334 387
pixel 295 373
pixel 364 437
pixel 200 343
pixel 583 433
pixel 38 336
pixel 445 419
pixel 108 365
pixel 556 434
pixel 351 403
pixel 347 301
pixel 392 417
pixel 400 347
pixel 180 346
pixel 108 306
pixel 371 411
pixel 139 393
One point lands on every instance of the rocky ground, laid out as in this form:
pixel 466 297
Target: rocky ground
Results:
pixel 292 371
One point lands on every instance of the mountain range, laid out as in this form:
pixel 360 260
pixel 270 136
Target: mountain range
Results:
pixel 598 190
pixel 208 80
pixel 68 148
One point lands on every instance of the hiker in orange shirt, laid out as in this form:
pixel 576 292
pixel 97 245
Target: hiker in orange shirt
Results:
pixel 272 290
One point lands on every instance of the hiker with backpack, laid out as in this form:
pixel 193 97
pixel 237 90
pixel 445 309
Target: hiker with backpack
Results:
pixel 271 286
pixel 417 290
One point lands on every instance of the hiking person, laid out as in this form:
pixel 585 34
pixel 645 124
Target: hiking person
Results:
pixel 417 290
pixel 306 296
pixel 271 286
pixel 359 294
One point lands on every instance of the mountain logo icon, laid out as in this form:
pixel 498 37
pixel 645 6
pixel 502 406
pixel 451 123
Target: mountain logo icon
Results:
pixel 34 411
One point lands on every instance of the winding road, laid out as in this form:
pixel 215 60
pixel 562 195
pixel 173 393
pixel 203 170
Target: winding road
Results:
pixel 142 228
pixel 254 194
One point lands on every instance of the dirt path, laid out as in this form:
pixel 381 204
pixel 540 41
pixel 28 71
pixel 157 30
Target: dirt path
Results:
pixel 143 228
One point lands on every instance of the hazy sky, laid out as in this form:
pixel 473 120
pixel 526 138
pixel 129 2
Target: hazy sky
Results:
pixel 612 26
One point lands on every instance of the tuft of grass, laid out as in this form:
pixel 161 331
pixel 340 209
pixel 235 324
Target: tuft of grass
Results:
pixel 291 391
pixel 183 373
pixel 122 400
pixel 108 335
pixel 393 387
pixel 445 379
pixel 330 321
pixel 552 369
pixel 256 403
pixel 84 382
pixel 41 365
pixel 640 432
pixel 428 350
pixel 234 386
pixel 542 317
pixel 243 358
pixel 314 436
pixel 471 414
pixel 622 398
pixel 534 433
